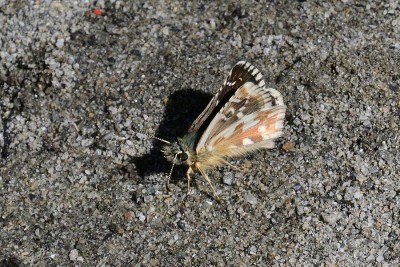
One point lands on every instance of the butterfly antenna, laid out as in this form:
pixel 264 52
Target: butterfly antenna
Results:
pixel 160 139
pixel 155 137
pixel 170 172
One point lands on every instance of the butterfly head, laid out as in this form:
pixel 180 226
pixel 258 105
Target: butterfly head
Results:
pixel 177 152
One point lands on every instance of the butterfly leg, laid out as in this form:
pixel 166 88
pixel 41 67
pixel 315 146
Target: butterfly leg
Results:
pixel 207 179
pixel 189 171
pixel 234 167
pixel 209 182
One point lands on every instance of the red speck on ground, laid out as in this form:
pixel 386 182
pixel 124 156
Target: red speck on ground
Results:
pixel 96 11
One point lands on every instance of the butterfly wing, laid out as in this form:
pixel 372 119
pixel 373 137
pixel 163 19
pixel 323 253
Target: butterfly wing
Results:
pixel 241 73
pixel 251 119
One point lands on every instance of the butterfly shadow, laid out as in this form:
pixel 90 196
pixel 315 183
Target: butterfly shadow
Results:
pixel 181 110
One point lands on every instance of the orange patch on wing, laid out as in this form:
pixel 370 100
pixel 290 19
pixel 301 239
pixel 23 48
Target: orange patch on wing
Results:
pixel 269 119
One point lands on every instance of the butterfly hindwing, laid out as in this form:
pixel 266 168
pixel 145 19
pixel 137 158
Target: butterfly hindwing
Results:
pixel 258 131
pixel 251 119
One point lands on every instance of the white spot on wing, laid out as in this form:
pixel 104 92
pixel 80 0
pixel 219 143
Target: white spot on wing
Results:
pixel 235 100
pixel 262 129
pixel 247 141
pixel 258 77
pixel 263 132
pixel 231 110
pixel 277 95
pixel 270 144
pixel 247 65
pixel 279 124
pixel 255 71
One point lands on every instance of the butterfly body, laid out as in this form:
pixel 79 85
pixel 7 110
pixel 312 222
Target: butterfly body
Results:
pixel 243 117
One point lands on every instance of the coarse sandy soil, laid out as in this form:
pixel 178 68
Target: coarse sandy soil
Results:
pixel 83 84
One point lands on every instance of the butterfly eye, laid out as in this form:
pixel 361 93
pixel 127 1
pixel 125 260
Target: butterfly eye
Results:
pixel 183 156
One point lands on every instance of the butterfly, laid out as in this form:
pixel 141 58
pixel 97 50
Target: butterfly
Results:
pixel 244 116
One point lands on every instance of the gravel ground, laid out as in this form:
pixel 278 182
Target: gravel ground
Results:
pixel 81 184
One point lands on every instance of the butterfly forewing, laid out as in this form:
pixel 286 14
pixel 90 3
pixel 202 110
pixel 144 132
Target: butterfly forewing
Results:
pixel 241 73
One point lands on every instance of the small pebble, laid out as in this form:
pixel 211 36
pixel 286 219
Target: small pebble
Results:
pixel 141 217
pixel 251 199
pixel 252 250
pixel 228 178
pixel 330 218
